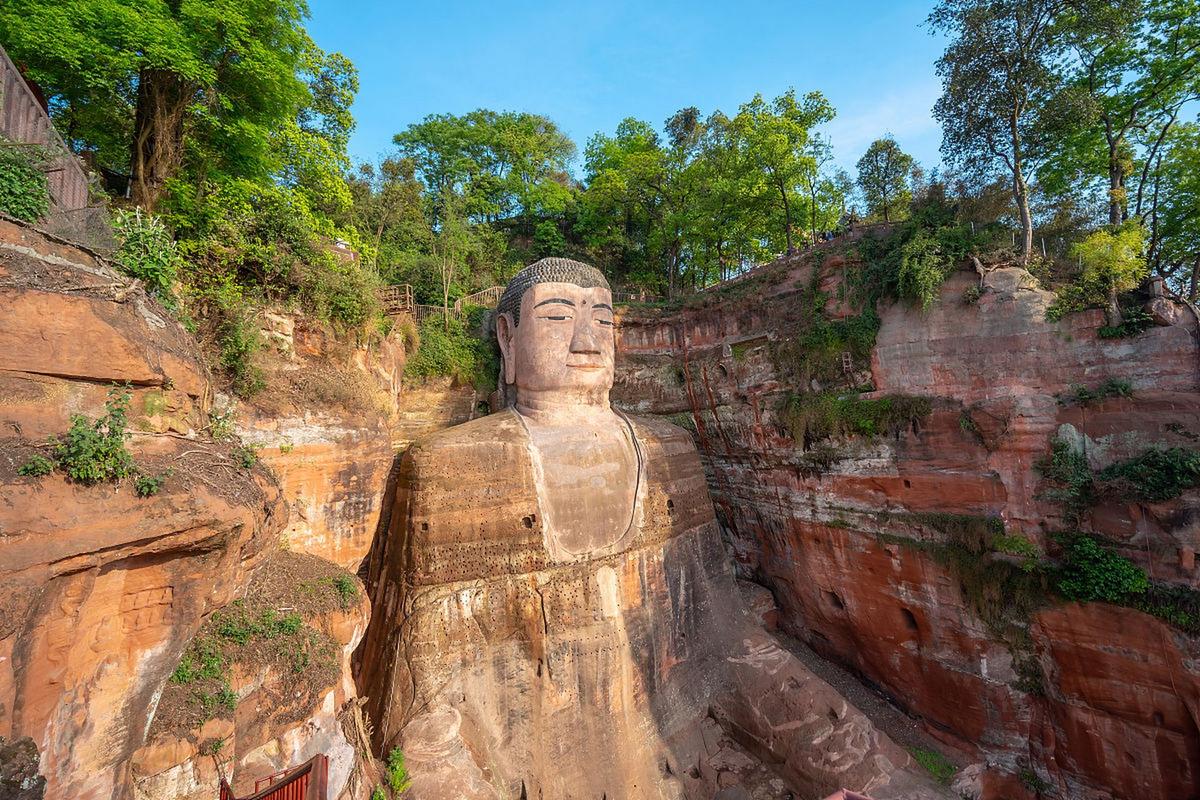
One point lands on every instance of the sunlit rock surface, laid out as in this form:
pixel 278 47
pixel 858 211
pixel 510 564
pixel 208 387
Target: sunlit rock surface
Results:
pixel 841 548
pixel 504 673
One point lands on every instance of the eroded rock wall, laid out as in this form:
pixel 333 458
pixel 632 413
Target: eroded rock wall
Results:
pixel 100 589
pixel 849 544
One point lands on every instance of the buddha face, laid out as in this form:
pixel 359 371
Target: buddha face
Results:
pixel 562 349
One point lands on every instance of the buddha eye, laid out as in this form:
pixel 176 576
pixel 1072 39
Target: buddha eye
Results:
pixel 606 322
pixel 557 319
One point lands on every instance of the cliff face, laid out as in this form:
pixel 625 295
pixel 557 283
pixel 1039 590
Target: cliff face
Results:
pixel 325 424
pixel 143 640
pixel 102 589
pixel 856 535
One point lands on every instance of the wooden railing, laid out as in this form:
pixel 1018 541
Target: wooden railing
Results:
pixel 488 298
pixel 309 781
pixel 23 120
pixel 397 299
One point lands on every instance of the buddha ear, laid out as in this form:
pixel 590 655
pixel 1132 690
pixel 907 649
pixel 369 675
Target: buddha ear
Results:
pixel 506 331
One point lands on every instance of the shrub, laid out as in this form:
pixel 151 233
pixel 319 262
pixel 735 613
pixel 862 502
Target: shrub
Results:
pixel 201 661
pixel 36 466
pixel 147 252
pixel 452 350
pixel 923 269
pixel 410 335
pixel 397 773
pixel 239 339
pixel 1112 387
pixel 347 590
pixel 1156 475
pixel 1072 486
pixel 1112 259
pixel 971 295
pixel 816 352
pixel 147 485
pixel 936 764
pixel 94 451
pixel 815 416
pixel 1092 572
pixel 1133 322
pixel 24 192
pixel 246 455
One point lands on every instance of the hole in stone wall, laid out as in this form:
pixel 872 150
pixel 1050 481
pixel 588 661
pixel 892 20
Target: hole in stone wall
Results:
pixel 909 620
pixel 424 526
pixel 722 369
pixel 834 600
pixel 670 507
pixel 907 483
pixel 1158 719
pixel 527 521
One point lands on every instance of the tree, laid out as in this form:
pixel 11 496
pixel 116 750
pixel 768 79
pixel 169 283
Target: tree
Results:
pixel 883 176
pixel 451 241
pixel 505 165
pixel 775 139
pixel 732 215
pixel 1173 210
pixel 817 185
pixel 387 206
pixel 1138 63
pixel 1112 263
pixel 187 85
pixel 621 211
pixel 996 75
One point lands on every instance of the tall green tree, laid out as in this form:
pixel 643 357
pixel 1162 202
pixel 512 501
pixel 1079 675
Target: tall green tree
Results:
pixel 997 73
pixel 732 212
pixel 775 138
pixel 506 165
pixel 884 176
pixel 201 82
pixel 1137 62
pixel 621 212
pixel 388 207
pixel 1173 210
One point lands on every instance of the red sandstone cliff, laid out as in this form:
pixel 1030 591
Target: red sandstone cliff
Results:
pixel 1078 700
pixel 105 594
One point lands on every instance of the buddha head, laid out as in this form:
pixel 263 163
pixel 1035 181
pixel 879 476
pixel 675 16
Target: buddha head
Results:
pixel 555 327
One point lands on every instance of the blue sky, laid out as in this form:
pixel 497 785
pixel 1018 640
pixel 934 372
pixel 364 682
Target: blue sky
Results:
pixel 589 65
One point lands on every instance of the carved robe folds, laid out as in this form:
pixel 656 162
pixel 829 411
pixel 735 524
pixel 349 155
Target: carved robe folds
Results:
pixel 503 672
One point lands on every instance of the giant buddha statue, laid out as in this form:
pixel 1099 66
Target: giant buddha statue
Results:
pixel 554 615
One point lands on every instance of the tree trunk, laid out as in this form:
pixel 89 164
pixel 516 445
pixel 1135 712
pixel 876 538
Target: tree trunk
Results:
pixel 1021 196
pixel 157 149
pixel 787 220
pixel 1115 317
pixel 1116 189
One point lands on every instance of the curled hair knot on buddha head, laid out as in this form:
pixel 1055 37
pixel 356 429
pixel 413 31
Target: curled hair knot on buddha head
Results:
pixel 548 270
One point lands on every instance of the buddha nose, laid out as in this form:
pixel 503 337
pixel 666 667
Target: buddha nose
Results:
pixel 585 339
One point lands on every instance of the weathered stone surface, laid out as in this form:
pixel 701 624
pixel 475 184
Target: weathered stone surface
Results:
pixel 843 549
pixel 102 591
pixel 282 718
pixel 500 670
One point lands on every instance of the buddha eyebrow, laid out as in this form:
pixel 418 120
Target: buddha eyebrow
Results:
pixel 562 300
pixel 603 305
